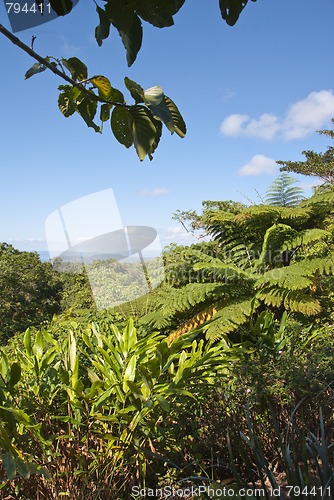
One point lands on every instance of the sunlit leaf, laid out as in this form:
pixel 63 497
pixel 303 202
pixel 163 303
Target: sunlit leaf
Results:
pixel 76 67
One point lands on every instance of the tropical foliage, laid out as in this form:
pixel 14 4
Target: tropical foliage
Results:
pixel 221 376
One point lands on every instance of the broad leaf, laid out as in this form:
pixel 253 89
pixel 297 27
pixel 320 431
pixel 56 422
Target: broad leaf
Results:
pixel 144 130
pixel 102 31
pixel 76 67
pixel 67 99
pixel 121 125
pixel 87 110
pixel 132 40
pixel 179 124
pixel 163 113
pixel 106 91
pixel 9 464
pixel 136 91
pixel 158 13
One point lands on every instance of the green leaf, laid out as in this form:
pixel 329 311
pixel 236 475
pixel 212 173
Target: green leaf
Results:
pixel 38 345
pixel 163 113
pixel 76 67
pixel 23 468
pixel 121 125
pixel 136 91
pixel 130 371
pixel 86 108
pixel 15 374
pixel 27 342
pixel 105 112
pixel 106 91
pixel 163 403
pixel 179 124
pixel 103 29
pixel 61 7
pixel 72 350
pixel 144 130
pixel 132 40
pixel 67 99
pixel 35 68
pixel 9 464
pixel 153 95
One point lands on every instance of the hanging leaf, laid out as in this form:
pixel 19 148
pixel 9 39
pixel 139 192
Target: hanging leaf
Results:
pixel 136 91
pixel 179 124
pixel 105 112
pixel 144 130
pixel 163 113
pixel 35 68
pixel 86 108
pixel 158 13
pixel 76 67
pixel 102 31
pixel 121 125
pixel 132 40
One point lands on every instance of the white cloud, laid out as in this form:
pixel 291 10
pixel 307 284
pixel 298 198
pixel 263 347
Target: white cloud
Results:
pixel 301 118
pixel 176 234
pixel 258 165
pixel 154 192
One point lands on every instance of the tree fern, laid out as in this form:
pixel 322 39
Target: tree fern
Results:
pixel 282 193
pixel 229 318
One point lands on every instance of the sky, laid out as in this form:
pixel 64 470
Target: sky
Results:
pixel 250 94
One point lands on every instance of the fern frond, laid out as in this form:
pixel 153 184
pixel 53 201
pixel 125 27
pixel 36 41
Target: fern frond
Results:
pixel 194 322
pixel 305 237
pixel 231 270
pixel 292 300
pixel 273 241
pixel 229 318
pixel 177 300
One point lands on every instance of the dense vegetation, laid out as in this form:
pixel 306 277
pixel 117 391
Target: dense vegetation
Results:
pixel 221 377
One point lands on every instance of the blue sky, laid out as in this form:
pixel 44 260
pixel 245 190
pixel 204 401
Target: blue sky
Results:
pixel 250 95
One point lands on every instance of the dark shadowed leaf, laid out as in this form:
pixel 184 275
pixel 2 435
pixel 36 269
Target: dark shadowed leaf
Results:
pixel 132 40
pixel 121 125
pixel 61 7
pixel 103 29
pixel 87 110
pixel 179 124
pixel 159 13
pixel 15 374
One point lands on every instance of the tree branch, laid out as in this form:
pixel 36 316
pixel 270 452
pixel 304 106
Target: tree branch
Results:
pixel 52 67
